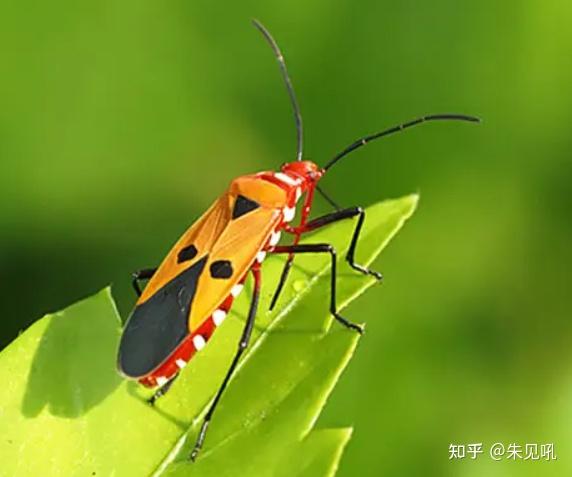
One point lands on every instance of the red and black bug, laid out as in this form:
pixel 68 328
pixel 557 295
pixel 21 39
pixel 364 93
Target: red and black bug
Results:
pixel 189 295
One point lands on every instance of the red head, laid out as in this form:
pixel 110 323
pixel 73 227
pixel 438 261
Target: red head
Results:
pixel 307 171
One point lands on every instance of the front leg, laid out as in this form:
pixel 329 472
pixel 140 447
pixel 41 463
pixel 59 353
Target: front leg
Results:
pixel 322 221
pixel 336 217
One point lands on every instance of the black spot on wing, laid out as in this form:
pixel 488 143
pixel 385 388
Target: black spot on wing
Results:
pixel 221 269
pixel 243 205
pixel 187 253
pixel 156 327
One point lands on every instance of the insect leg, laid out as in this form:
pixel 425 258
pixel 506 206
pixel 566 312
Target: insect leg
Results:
pixel 322 221
pixel 323 248
pixel 143 274
pixel 342 215
pixel 242 345
pixel 281 282
pixel 162 390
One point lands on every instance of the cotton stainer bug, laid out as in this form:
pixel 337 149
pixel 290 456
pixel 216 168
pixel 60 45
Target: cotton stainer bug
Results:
pixel 189 295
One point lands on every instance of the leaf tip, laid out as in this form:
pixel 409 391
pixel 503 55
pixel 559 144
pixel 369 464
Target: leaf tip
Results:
pixel 413 200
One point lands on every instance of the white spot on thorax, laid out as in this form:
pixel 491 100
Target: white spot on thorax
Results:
pixel 274 238
pixel 218 317
pixel 289 213
pixel 298 193
pixel 260 256
pixel 286 179
pixel 199 342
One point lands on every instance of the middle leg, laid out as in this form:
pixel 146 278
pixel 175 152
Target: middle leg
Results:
pixel 323 248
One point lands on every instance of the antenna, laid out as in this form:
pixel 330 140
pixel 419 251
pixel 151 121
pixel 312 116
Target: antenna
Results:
pixel 327 198
pixel 364 140
pixel 289 87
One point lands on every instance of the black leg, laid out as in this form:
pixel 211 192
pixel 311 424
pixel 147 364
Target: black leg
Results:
pixel 242 345
pixel 144 274
pixel 342 215
pixel 323 248
pixel 281 282
pixel 162 390
pixel 322 221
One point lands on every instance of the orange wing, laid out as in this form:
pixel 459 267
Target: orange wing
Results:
pixel 198 274
pixel 238 245
pixel 222 238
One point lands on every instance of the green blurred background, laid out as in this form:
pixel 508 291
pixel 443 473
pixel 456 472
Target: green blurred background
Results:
pixel 121 121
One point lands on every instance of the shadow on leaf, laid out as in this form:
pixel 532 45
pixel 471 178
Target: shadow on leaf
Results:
pixel 67 374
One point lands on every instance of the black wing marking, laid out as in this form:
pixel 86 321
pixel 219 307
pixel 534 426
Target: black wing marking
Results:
pixel 243 205
pixel 221 269
pixel 187 253
pixel 158 326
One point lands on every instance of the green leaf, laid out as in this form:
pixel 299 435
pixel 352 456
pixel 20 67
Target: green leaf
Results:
pixel 65 411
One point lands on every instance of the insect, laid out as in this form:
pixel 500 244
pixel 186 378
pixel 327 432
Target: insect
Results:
pixel 189 295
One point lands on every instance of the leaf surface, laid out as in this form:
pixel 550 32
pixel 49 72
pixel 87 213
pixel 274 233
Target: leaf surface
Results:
pixel 65 411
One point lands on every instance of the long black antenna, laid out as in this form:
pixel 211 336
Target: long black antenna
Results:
pixel 289 87
pixel 364 140
pixel 327 198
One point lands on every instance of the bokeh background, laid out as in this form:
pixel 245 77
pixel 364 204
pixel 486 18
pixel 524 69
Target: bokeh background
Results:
pixel 121 121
